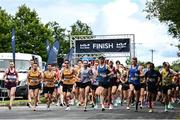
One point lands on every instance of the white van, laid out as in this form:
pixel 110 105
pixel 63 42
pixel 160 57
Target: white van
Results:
pixel 22 64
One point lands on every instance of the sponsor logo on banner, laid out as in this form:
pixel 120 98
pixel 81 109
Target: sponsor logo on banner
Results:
pixel 121 45
pixel 84 46
pixel 99 45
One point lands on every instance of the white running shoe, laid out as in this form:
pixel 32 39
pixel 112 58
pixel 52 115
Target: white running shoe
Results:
pixel 115 103
pixel 141 106
pixel 67 109
pixel 96 106
pixel 110 107
pixel 127 108
pixel 72 102
pixel 103 108
pixel 57 104
pixel 85 109
pixel 150 110
pixel 78 104
pixel 170 106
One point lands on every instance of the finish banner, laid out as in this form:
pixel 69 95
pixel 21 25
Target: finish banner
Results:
pixel 103 45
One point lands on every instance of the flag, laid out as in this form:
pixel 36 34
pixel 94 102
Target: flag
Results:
pixel 69 56
pixel 47 46
pixel 13 45
pixel 53 53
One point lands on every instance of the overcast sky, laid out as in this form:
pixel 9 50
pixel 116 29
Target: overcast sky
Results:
pixel 107 17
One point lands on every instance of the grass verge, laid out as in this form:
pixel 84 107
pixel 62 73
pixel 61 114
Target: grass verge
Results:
pixel 19 102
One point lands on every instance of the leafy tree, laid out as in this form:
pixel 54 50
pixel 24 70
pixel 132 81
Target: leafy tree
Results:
pixel 128 61
pixel 59 33
pixel 5 31
pixel 80 28
pixel 31 34
pixel 166 11
pixel 176 65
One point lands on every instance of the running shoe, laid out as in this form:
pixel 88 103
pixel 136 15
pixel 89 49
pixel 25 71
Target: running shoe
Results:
pixel 33 109
pixel 85 109
pixel 72 102
pixel 57 104
pixel 67 109
pixel 121 103
pixel 29 105
pixel 103 108
pixel 170 106
pixel 37 104
pixel 92 105
pixel 141 106
pixel 127 108
pixel 110 107
pixel 115 103
pixel 62 104
pixel 150 110
pixel 10 107
pixel 96 106
pixel 133 104
pixel 78 104
pixel 178 101
pixel 125 101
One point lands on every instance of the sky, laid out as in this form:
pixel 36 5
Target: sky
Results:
pixel 108 17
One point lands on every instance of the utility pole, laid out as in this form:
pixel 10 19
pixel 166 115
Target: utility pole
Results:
pixel 152 54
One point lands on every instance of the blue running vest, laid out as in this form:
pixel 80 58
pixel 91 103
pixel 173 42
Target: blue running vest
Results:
pixel 102 71
pixel 134 75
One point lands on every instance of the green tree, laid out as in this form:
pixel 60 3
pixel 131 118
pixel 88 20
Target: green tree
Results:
pixel 5 31
pixel 80 28
pixel 128 61
pixel 176 65
pixel 31 34
pixel 166 11
pixel 59 33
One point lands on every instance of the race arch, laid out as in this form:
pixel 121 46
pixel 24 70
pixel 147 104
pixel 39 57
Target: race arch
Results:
pixel 120 45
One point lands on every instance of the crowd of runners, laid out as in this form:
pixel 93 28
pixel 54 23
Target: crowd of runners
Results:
pixel 99 84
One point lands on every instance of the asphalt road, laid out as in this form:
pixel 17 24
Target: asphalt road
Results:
pixel 57 112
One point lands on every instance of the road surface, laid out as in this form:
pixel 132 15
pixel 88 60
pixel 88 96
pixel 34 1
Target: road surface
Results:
pixel 57 112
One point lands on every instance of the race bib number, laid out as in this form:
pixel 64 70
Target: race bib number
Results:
pixel 103 75
pixel 56 85
pixel 134 78
pixel 94 82
pixel 66 79
pixel 34 80
pixel 11 77
pixel 152 79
